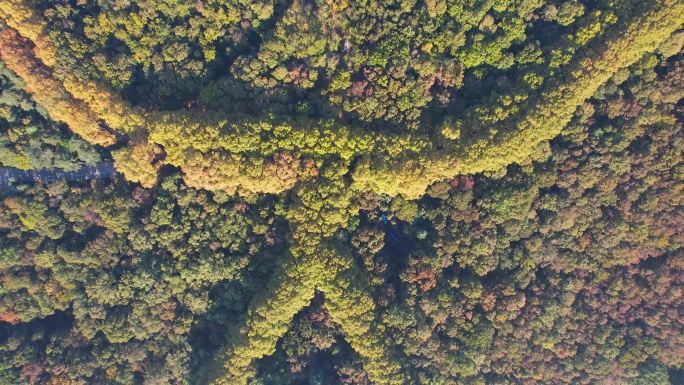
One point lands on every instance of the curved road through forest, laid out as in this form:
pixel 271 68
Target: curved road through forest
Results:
pixel 102 170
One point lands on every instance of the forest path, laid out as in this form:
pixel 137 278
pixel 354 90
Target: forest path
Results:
pixel 104 169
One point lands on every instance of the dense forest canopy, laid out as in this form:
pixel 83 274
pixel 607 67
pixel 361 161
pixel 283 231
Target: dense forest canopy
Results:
pixel 343 192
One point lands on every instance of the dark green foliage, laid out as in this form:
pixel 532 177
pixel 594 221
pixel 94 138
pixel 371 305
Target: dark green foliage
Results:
pixel 129 276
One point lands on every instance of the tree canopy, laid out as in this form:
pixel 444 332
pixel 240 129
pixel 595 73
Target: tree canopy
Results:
pixel 343 192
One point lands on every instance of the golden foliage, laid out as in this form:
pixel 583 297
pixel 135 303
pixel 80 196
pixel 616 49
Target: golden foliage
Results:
pixel 15 52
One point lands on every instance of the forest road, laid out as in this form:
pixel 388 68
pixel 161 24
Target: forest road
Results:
pixel 102 170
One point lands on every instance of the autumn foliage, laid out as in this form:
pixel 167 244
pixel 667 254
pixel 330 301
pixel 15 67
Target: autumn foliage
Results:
pixel 346 192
